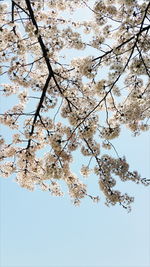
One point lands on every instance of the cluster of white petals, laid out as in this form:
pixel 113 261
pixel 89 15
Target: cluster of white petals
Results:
pixel 69 85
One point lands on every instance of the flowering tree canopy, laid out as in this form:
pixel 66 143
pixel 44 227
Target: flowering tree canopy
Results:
pixel 73 82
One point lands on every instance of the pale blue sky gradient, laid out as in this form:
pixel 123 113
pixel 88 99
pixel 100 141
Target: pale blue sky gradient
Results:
pixel 38 230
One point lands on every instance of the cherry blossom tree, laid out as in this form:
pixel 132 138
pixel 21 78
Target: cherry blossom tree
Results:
pixel 73 84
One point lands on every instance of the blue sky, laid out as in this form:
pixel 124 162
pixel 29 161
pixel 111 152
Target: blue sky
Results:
pixel 38 230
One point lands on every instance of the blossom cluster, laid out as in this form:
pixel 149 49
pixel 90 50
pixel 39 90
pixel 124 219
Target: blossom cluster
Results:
pixel 71 84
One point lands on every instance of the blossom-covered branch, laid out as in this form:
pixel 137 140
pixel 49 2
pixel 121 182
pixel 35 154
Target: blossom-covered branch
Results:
pixel 65 105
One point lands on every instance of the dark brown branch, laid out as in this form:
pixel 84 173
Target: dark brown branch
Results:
pixel 15 4
pixel 44 49
pixel 39 107
pixel 125 42
pixel 143 61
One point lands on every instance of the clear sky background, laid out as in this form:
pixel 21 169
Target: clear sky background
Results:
pixel 38 230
